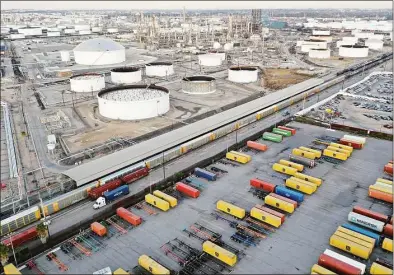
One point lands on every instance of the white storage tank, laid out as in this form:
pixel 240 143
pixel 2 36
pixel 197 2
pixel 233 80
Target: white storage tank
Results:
pixel 159 69
pixel 30 31
pixel 228 46
pixel 126 75
pixel 320 32
pixel 17 36
pixel 326 38
pixel 374 44
pixel 353 51
pixel 134 102
pixel 112 30
pixel 53 29
pixel 52 34
pixel 319 53
pixel 210 60
pixel 84 32
pixel 65 56
pixel 199 84
pixel 342 43
pixel 216 45
pixel 82 27
pixel 97 29
pixel 5 30
pixel 243 74
pixel 99 51
pixel 69 31
pixel 87 83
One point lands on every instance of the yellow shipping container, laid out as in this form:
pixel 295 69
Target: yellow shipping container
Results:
pixel 282 205
pixel 357 235
pixel 377 269
pixel 171 200
pixel 231 209
pixel 157 202
pixel 284 169
pixel 219 253
pixel 336 155
pixel 389 182
pixel 265 217
pixel 10 269
pixel 242 154
pixel 317 269
pixel 306 188
pixel 236 157
pixel 382 189
pixel 316 152
pixel 302 153
pixel 297 166
pixel 311 179
pixel 387 244
pixel 304 181
pixel 341 146
pixel 339 150
pixel 354 240
pixel 152 266
pixel 350 247
pixel 120 271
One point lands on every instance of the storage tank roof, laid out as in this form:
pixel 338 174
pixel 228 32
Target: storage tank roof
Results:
pixel 99 45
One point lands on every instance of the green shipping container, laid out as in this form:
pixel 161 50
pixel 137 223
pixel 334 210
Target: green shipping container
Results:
pixel 272 137
pixel 282 132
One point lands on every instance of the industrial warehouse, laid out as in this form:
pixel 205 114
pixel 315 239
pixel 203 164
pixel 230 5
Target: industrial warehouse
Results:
pixel 196 144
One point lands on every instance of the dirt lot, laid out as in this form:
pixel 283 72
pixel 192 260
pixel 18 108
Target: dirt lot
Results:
pixel 277 79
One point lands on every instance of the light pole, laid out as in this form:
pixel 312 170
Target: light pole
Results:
pixel 164 168
pixel 13 250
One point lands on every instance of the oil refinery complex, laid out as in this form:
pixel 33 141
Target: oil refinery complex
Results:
pixel 185 142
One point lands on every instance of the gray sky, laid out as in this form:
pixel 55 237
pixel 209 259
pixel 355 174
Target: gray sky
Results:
pixel 136 5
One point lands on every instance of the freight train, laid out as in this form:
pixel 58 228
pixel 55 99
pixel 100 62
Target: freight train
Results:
pixel 33 214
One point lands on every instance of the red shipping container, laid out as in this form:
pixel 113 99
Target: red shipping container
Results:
pixel 21 238
pixel 284 199
pixel 293 131
pixel 128 216
pixel 135 175
pixel 260 184
pixel 380 195
pixel 388 168
pixel 372 214
pixel 353 144
pixel 257 146
pixel 388 230
pixel 337 266
pixel 187 190
pixel 99 191
pixel 271 211
pixel 98 228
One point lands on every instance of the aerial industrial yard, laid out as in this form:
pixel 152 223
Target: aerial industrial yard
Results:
pixel 269 133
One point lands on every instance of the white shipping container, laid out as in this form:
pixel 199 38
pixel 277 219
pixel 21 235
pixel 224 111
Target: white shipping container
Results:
pixel 345 259
pixel 366 221
pixel 355 138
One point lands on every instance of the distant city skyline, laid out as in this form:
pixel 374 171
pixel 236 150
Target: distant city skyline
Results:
pixel 193 5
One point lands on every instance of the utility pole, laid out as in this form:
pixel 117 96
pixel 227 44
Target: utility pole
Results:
pixel 13 250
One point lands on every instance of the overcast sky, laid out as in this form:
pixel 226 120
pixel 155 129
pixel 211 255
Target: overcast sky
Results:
pixel 136 5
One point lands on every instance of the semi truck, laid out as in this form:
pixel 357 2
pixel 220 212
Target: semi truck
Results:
pixel 111 196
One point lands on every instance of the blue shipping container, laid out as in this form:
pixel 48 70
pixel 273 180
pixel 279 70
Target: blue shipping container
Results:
pixel 291 194
pixel 114 194
pixel 204 174
pixel 363 231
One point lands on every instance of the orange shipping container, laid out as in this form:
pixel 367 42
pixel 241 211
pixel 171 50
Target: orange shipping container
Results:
pixel 98 228
pixel 128 216
pixel 380 195
pixel 257 146
pixel 388 168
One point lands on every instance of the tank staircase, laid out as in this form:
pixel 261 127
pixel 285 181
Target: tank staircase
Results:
pixel 59 263
pixel 84 250
pixel 117 226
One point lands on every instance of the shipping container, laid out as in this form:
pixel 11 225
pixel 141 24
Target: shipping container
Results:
pixel 316 152
pixel 281 132
pixel 128 216
pixel 10 269
pixel 256 146
pixel 350 247
pixel 355 240
pixel 219 253
pixel 353 144
pixel 157 202
pixel 304 161
pixel 388 168
pixel 135 175
pixel 336 155
pixel 366 222
pixel 306 187
pixel 152 266
pixel 291 194
pixel 282 205
pixel 265 217
pixel 293 131
pixel 284 169
pixel 263 185
pixel 187 190
pixel 357 235
pixel 317 269
pixel 271 211
pixel 99 229
pixel 237 157
pixel 355 138
pixel 388 230
pixel 377 269
pixel 242 154
pixel 308 178
pixel 363 231
pixel 99 191
pixel 345 259
pixel 231 209
pixel 21 238
pixel 387 244
pixel 272 137
pixel 339 150
pixel 297 166
pixel 202 173
pixel 170 199
pixel 341 146
pixel 116 193
pixel 380 195
pixel 121 271
pixel 370 214
pixel 302 153
pixel 382 188
pixel 279 197
pixel 337 266
pixel 389 182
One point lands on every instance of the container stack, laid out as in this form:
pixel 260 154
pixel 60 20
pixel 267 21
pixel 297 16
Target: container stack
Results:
pixel 381 190
pixel 238 157
pixel 353 141
pixel 256 146
pixel 388 168
pixel 278 133
pixel 161 200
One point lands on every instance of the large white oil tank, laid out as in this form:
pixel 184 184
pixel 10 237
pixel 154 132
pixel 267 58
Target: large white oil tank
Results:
pixel 326 38
pixel 199 84
pixel 348 43
pixel 97 29
pixel 243 74
pixel 69 31
pixel 216 45
pixel 85 32
pixel 87 83
pixel 82 27
pixel 52 34
pixel 17 36
pixel 161 69
pixel 374 44
pixel 210 60
pixel 99 51
pixel 126 75
pixel 30 31
pixel 228 46
pixel 353 51
pixel 65 56
pixel 53 29
pixel 319 53
pixel 320 32
pixel 112 30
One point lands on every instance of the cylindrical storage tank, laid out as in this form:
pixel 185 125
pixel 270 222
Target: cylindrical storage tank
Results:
pixel 305 48
pixel 216 45
pixel 99 51
pixel 374 44
pixel 326 38
pixel 84 32
pixel 65 56
pixel 96 29
pixel 198 85
pixel 347 43
pixel 53 29
pixel 228 46
pixel 86 83
pixel 134 102
pixel 69 31
pixel 112 30
pixel 319 32
pixel 17 36
pixel 244 74
pixel 210 60
pixel 5 30
pixel 52 34
pixel 28 31
pixel 353 51
pixel 320 53
pixel 82 27
pixel 159 69
pixel 126 75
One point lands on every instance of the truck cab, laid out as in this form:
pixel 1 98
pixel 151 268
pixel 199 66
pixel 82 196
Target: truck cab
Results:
pixel 100 202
